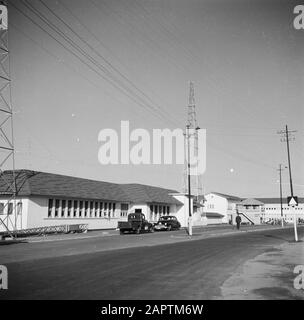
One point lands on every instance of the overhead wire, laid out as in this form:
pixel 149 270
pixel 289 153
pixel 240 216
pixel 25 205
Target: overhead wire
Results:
pixel 82 52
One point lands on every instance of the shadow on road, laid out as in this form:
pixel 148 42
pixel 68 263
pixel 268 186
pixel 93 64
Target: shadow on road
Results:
pixel 8 242
pixel 281 238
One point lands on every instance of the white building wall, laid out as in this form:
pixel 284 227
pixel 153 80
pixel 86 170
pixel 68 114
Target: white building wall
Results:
pixel 38 217
pixel 18 219
pixel 35 213
pixel 272 211
pixel 143 207
pixel 217 204
pixel 182 212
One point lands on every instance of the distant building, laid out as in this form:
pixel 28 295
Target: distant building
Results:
pixel 47 199
pixel 251 211
pixel 220 208
pixel 223 208
pixel 272 209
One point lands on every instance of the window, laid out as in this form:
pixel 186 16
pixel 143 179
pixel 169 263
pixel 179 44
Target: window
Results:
pixel 80 208
pixel 69 207
pixel 56 207
pixel 105 209
pixel 114 207
pixel 91 208
pixel 75 208
pixel 19 207
pixel 96 209
pixel 110 209
pixel 124 208
pixel 63 204
pixel 168 210
pixel 1 208
pixel 100 209
pixel 10 208
pixel 86 207
pixel 50 208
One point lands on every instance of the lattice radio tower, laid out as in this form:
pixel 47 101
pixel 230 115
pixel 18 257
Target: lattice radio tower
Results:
pixel 196 178
pixel 8 217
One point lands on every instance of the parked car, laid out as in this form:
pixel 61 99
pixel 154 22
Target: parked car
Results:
pixel 167 223
pixel 136 223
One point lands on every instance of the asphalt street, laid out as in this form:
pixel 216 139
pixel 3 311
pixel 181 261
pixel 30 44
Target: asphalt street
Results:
pixel 191 269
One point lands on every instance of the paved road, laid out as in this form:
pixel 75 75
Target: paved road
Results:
pixel 182 270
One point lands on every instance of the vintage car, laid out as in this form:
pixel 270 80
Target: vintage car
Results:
pixel 167 223
pixel 136 223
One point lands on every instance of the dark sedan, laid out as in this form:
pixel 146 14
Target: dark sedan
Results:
pixel 167 223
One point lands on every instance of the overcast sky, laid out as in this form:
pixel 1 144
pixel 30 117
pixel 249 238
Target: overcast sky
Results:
pixel 245 59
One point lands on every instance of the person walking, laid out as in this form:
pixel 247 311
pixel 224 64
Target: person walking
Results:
pixel 238 221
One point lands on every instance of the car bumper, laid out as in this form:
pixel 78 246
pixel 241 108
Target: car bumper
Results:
pixel 160 228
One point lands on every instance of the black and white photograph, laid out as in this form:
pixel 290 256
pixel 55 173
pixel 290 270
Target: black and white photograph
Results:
pixel 151 155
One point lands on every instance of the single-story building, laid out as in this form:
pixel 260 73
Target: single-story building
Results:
pixel 47 199
pixel 272 209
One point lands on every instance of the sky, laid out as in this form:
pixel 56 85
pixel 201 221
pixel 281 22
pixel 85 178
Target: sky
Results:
pixel 134 62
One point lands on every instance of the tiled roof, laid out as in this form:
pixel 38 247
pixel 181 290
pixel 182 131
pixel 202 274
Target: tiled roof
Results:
pixel 277 200
pixel 227 196
pixel 251 202
pixel 36 183
pixel 148 194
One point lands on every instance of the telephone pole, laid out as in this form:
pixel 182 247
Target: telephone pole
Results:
pixel 192 178
pixel 286 136
pixel 189 183
pixel 281 199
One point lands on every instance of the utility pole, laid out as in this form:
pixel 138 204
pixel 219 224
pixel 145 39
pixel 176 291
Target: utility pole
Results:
pixel 288 136
pixel 192 178
pixel 189 182
pixel 281 199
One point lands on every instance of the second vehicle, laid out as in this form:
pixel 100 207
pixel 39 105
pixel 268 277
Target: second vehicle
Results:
pixel 167 223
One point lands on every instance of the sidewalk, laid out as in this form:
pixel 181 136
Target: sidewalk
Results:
pixel 198 233
pixel 268 276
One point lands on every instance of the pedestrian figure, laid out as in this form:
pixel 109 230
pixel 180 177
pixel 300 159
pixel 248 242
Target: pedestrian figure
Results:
pixel 238 220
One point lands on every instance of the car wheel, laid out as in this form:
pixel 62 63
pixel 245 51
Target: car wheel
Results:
pixel 121 232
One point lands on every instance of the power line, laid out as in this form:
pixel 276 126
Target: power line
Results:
pixel 124 90
pixel 100 55
pixel 104 69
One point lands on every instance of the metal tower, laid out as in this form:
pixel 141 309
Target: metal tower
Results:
pixel 8 217
pixel 196 178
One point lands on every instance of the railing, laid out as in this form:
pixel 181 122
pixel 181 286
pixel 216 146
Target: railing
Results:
pixel 47 230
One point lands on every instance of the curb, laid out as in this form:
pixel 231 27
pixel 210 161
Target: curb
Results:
pixel 199 236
